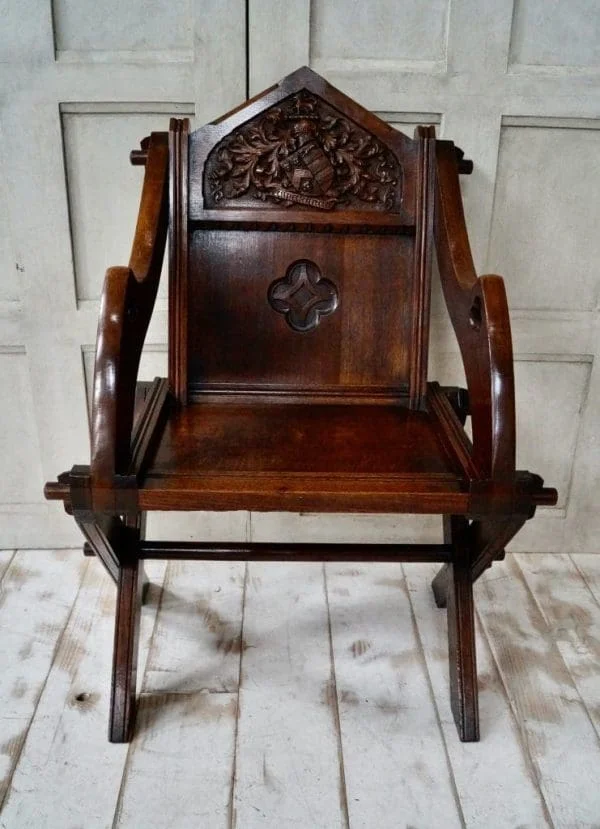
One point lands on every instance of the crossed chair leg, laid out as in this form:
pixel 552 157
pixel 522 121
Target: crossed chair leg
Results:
pixel 116 542
pixel 453 589
pixel 123 696
pixel 475 546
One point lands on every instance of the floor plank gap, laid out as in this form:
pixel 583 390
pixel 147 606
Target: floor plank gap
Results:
pixel 19 744
pixel 231 806
pixel 336 709
pixel 577 561
pixel 531 766
pixel 553 720
pixel 417 635
pixel 577 637
pixel 141 682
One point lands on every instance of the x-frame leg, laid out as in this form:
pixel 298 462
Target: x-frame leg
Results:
pixel 115 542
pixel 453 589
pixel 125 654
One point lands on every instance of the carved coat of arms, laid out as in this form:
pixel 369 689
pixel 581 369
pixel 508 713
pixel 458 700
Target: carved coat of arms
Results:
pixel 303 152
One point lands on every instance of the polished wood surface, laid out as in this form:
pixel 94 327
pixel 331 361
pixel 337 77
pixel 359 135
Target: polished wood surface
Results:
pixel 301 234
pixel 295 438
pixel 127 304
pixel 479 312
pixel 239 340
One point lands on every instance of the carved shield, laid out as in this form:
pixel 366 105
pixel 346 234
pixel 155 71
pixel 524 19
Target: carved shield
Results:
pixel 311 162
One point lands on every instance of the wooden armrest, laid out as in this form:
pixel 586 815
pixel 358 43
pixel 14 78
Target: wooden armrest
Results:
pixel 479 313
pixel 127 303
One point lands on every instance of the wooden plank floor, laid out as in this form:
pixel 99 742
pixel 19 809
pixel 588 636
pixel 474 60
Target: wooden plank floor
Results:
pixel 297 695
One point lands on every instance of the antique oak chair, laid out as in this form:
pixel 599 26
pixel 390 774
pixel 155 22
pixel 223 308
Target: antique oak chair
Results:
pixel 301 235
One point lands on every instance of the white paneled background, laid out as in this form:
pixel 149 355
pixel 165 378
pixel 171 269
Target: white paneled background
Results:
pixel 516 83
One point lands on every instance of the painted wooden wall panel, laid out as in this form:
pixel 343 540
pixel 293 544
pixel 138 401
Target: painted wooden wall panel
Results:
pixel 544 230
pixel 104 189
pixel 555 34
pixel 538 425
pixel 406 30
pixel 532 134
pixel 10 287
pixel 24 32
pixel 143 25
pixel 19 450
pixel 82 83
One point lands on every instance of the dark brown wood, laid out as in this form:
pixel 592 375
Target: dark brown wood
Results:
pixel 302 152
pixel 178 258
pixel 278 105
pixel 239 341
pixel 136 523
pixel 439 585
pixel 100 531
pixel 479 313
pixel 461 630
pixel 271 551
pixel 123 688
pixel 422 266
pixel 127 304
pixel 301 232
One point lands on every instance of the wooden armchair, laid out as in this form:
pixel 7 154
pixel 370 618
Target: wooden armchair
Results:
pixel 301 233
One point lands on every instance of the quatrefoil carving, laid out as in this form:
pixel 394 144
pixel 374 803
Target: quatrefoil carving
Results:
pixel 303 295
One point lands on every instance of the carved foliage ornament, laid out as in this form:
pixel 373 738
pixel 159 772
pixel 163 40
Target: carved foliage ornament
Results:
pixel 303 295
pixel 303 152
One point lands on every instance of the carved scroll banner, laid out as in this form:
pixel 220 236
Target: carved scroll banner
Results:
pixel 305 153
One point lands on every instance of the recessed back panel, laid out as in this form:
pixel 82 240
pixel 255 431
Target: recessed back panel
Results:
pixel 297 310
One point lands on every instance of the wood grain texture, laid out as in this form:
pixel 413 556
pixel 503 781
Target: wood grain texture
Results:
pixel 388 646
pixel 37 591
pixel 553 720
pixel 513 797
pixel 6 556
pixel 238 342
pixel 479 313
pixel 68 775
pixel 389 730
pixel 178 257
pixel 127 304
pixel 588 566
pixel 203 604
pixel 421 281
pixel 298 439
pixel 179 769
pixel 464 687
pixel 288 758
pixel 188 708
pixel 125 653
pixel 563 595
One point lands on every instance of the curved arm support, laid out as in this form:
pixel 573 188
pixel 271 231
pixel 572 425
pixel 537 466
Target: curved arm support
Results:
pixel 127 302
pixel 479 313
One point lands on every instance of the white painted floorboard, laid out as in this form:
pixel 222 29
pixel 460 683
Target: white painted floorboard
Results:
pixel 297 695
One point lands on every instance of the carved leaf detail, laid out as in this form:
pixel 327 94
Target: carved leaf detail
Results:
pixel 303 152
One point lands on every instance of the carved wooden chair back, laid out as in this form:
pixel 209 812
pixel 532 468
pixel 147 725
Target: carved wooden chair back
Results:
pixel 301 236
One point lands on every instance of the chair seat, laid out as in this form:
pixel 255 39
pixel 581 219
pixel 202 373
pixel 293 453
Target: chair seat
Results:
pixel 299 456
